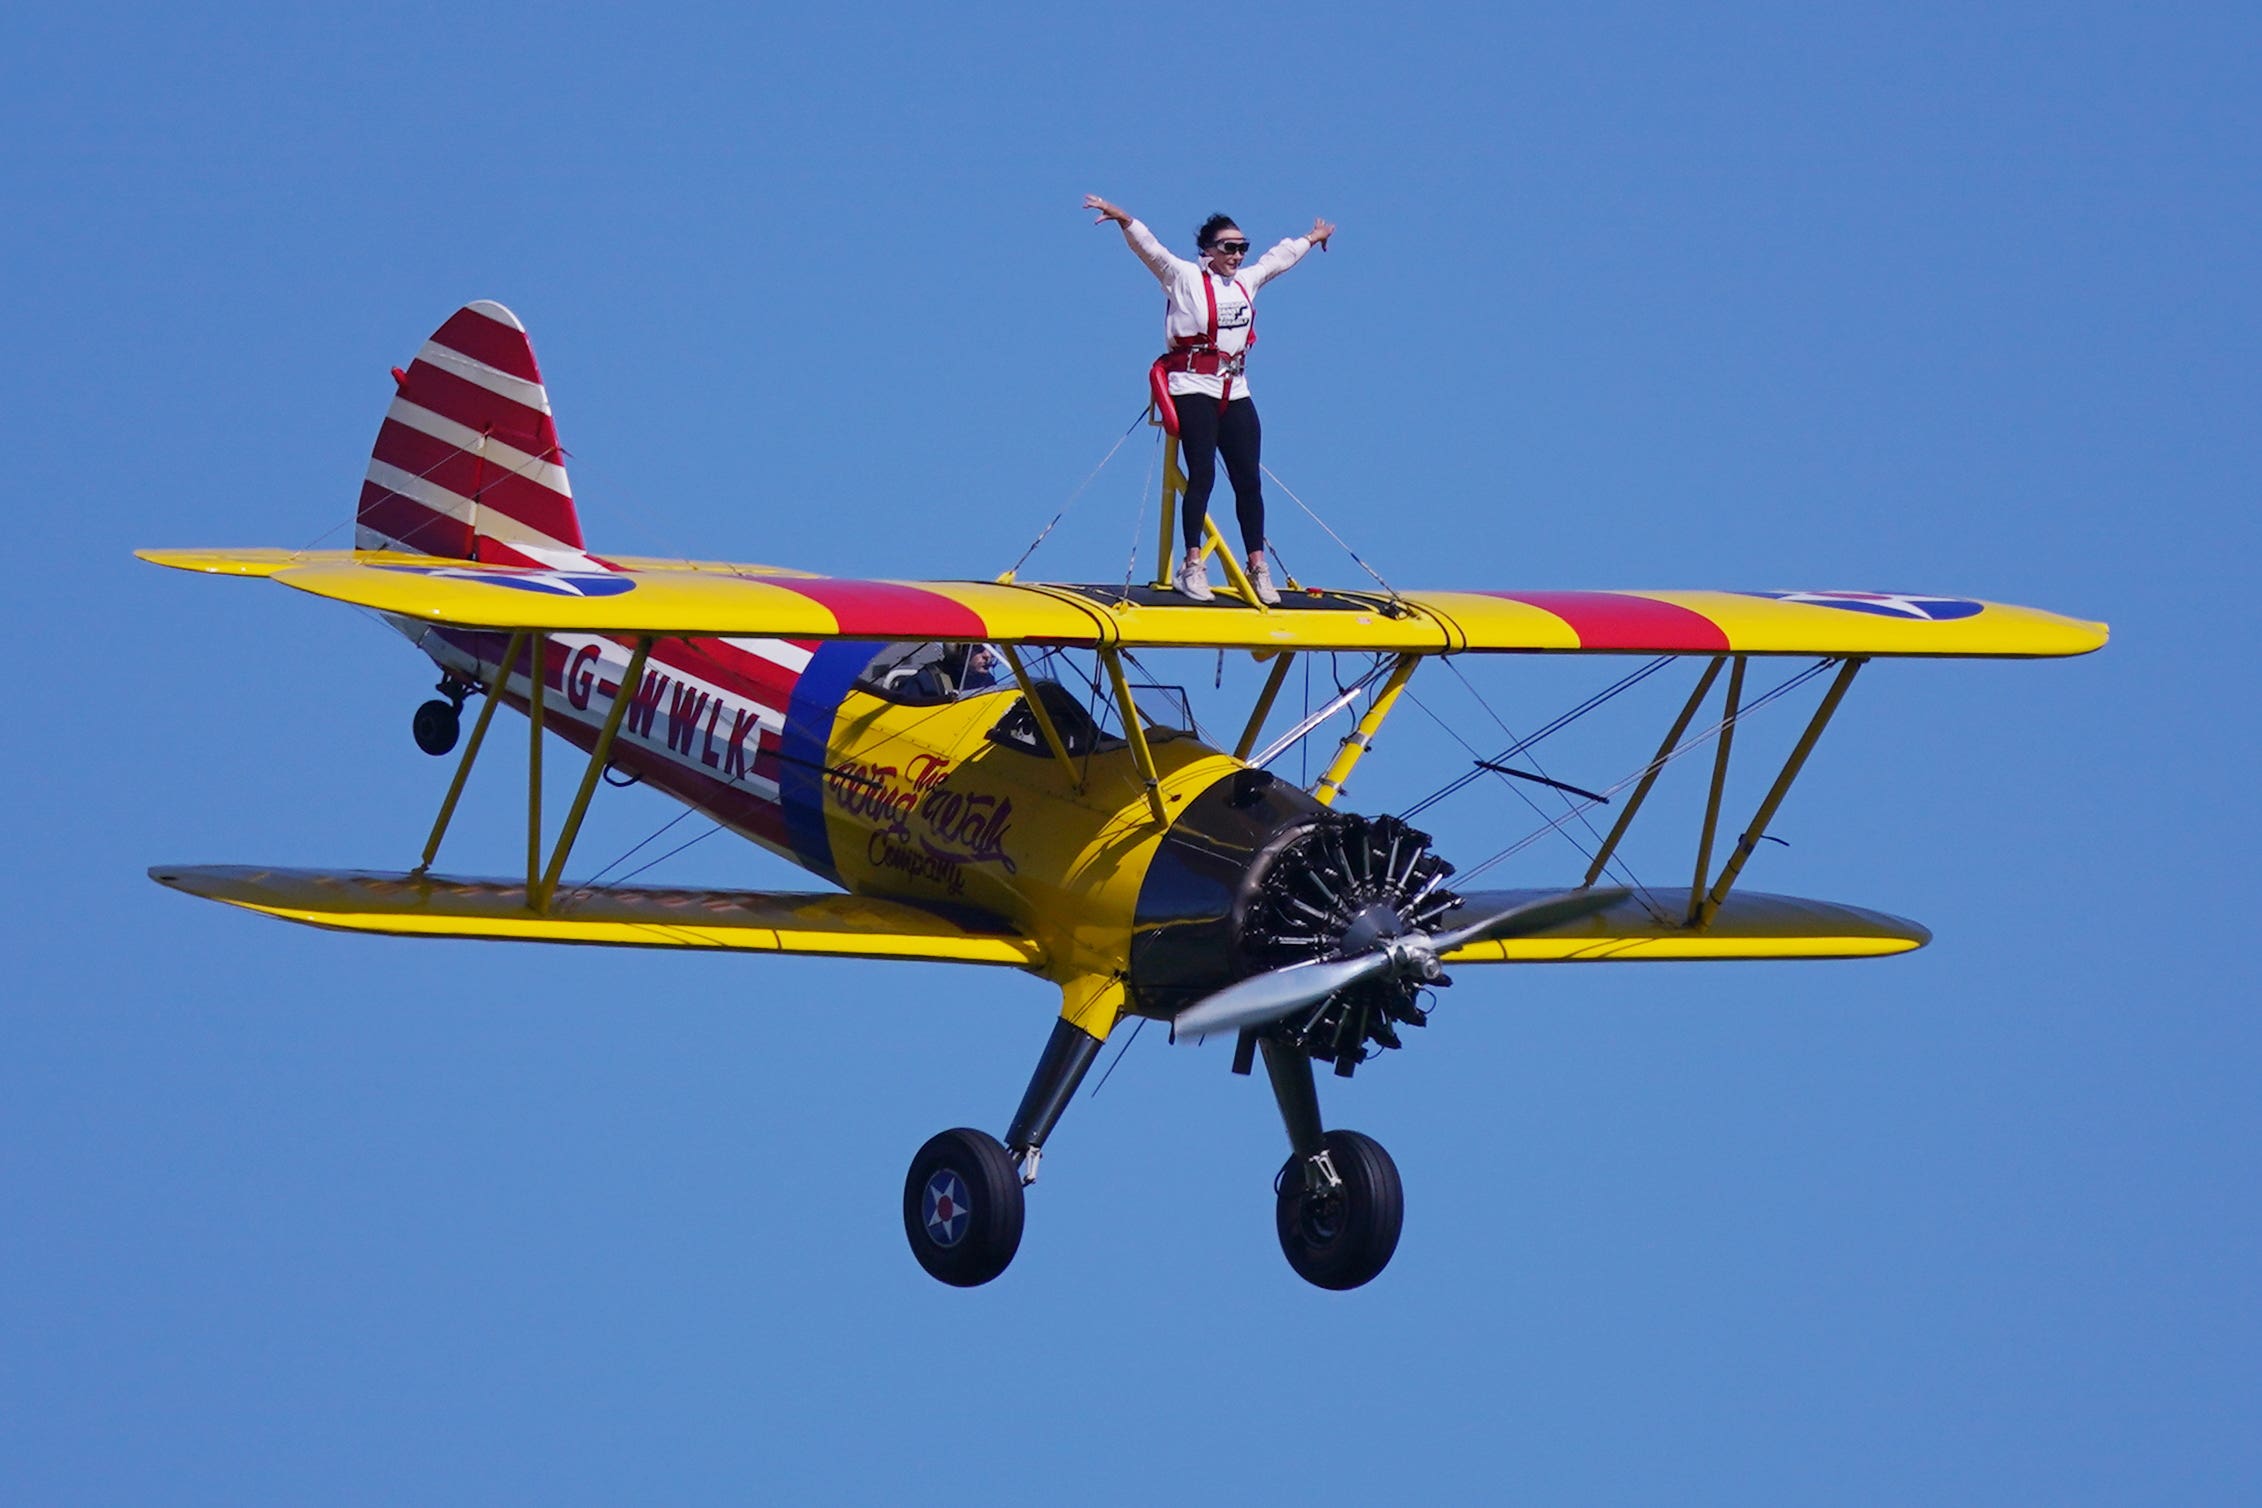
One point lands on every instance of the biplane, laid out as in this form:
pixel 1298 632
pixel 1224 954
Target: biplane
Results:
pixel 979 775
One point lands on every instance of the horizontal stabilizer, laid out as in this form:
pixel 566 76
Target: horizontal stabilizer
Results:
pixel 1652 928
pixel 756 921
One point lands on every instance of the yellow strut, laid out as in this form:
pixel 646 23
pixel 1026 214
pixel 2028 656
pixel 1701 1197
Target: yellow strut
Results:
pixel 1348 753
pixel 1135 731
pixel 1280 663
pixel 470 753
pixel 1719 783
pixel 1173 485
pixel 536 664
pixel 1233 571
pixel 1166 544
pixel 1776 793
pixel 1656 768
pixel 599 753
pixel 1045 726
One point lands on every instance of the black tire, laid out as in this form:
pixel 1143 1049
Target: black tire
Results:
pixel 1343 1239
pixel 962 1207
pixel 437 726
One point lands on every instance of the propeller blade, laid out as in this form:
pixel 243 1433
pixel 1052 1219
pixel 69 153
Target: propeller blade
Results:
pixel 1273 994
pixel 1532 916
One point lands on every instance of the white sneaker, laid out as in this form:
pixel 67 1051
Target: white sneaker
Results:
pixel 1260 577
pixel 1194 580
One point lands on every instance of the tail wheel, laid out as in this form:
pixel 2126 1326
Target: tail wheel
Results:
pixel 1343 1236
pixel 436 726
pixel 962 1207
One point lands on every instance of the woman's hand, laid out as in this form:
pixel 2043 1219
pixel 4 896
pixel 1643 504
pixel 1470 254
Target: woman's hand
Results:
pixel 1319 232
pixel 1107 211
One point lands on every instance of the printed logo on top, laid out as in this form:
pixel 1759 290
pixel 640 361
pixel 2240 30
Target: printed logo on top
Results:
pixel 1884 604
pixel 548 583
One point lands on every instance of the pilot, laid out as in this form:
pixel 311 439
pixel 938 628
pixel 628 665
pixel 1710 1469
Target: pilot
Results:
pixel 1211 324
pixel 981 669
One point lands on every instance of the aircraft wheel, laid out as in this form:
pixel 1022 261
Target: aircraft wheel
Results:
pixel 962 1207
pixel 437 726
pixel 1342 1238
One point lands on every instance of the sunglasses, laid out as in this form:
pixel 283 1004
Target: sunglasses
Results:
pixel 1230 248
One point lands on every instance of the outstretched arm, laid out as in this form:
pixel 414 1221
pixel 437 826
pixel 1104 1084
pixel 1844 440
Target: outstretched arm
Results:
pixel 1141 240
pixel 1287 254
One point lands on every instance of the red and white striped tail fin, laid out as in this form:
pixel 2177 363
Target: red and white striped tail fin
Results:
pixel 467 464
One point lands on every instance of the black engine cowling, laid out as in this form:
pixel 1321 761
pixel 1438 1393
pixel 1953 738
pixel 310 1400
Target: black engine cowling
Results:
pixel 1256 875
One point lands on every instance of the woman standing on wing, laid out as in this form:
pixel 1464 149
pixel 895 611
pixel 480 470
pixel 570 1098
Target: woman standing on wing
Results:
pixel 1211 324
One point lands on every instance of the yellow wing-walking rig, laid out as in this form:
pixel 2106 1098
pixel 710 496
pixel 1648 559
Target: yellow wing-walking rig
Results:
pixel 916 746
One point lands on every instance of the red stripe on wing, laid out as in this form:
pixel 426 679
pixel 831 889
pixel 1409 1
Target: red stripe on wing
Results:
pixel 1614 620
pixel 884 610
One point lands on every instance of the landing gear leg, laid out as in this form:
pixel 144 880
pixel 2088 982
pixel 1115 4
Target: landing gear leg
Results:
pixel 962 1202
pixel 1068 1055
pixel 1338 1204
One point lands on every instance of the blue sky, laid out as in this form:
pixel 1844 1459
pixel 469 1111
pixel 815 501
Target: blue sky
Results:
pixel 1902 297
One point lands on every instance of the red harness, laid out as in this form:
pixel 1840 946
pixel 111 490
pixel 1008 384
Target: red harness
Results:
pixel 1199 354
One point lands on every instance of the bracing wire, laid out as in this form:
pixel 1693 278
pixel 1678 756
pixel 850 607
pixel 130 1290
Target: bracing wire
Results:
pixel 1331 534
pixel 1119 1052
pixel 1693 742
pixel 1090 477
pixel 1139 518
pixel 1585 821
pixel 1518 746
pixel 1618 864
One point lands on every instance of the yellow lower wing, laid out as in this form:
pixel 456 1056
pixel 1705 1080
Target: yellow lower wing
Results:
pixel 1653 928
pixel 843 926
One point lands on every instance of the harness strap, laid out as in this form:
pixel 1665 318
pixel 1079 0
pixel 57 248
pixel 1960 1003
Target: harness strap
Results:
pixel 1209 339
pixel 1199 354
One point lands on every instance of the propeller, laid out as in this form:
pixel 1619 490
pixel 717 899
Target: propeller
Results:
pixel 1533 916
pixel 1266 997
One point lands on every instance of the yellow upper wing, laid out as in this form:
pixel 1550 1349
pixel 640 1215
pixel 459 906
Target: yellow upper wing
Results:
pixel 713 598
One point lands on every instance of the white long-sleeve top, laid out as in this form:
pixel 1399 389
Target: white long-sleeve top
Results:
pixel 1189 307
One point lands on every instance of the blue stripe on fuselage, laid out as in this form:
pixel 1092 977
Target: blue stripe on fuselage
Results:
pixel 804 749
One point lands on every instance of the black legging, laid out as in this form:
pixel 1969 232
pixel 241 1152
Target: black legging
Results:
pixel 1202 433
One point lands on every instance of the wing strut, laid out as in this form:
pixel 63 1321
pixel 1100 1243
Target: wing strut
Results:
pixel 1649 776
pixel 1135 731
pixel 1280 663
pixel 1036 706
pixel 1361 738
pixel 1719 783
pixel 541 882
pixel 470 753
pixel 1776 792
pixel 537 654
pixel 599 754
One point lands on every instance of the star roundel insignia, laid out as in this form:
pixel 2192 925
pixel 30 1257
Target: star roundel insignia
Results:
pixel 946 1209
pixel 1884 604
pixel 549 583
